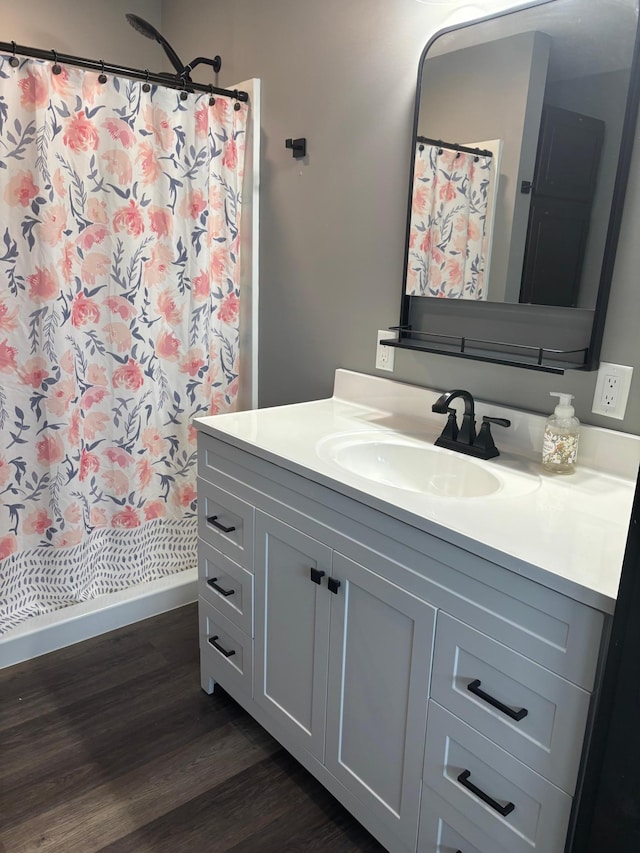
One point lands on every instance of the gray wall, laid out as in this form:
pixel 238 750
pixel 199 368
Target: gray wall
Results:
pixel 91 28
pixel 463 99
pixel 333 227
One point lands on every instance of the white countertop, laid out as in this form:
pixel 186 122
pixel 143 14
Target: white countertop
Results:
pixel 566 532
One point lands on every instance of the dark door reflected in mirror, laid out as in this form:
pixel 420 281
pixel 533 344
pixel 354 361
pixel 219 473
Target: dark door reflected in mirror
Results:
pixel 519 128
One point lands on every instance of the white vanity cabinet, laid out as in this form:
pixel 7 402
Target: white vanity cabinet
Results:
pixel 442 698
pixel 341 657
pixel 292 632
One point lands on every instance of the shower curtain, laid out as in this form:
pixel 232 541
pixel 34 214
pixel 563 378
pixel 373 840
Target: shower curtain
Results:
pixel 448 233
pixel 119 300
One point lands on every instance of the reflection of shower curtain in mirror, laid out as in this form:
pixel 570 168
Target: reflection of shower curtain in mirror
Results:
pixel 447 236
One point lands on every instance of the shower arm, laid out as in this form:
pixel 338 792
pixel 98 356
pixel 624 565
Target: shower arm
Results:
pixel 215 63
pixel 184 71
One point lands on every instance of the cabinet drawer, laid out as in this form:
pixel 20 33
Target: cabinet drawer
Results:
pixel 226 652
pixel 226 586
pixel 458 759
pixel 552 712
pixel 445 830
pixel 226 522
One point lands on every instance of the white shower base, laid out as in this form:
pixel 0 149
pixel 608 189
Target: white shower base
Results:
pixel 42 634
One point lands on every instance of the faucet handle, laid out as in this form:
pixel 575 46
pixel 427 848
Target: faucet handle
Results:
pixel 503 422
pixel 484 441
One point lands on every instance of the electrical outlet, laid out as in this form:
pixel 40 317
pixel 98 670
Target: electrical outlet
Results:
pixel 612 390
pixel 385 356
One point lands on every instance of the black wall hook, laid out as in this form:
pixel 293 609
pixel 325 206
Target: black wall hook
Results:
pixel 298 147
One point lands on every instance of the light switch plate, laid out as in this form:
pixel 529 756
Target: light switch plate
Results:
pixel 612 390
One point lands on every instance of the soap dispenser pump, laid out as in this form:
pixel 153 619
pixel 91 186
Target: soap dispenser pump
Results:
pixel 561 434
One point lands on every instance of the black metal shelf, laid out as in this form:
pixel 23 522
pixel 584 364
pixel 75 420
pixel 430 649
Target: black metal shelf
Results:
pixel 496 352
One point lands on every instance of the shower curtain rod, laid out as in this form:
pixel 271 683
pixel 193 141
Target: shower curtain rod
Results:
pixel 169 80
pixel 453 146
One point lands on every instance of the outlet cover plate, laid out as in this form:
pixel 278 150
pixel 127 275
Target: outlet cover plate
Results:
pixel 385 356
pixel 612 390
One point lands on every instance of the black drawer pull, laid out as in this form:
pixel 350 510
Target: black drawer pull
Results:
pixel 226 652
pixel 212 583
pixel 334 585
pixel 317 575
pixel 463 778
pixel 213 519
pixel 474 687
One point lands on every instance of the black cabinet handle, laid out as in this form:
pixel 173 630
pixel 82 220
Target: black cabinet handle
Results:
pixel 474 687
pixel 463 778
pixel 212 583
pixel 334 585
pixel 213 519
pixel 317 575
pixel 226 652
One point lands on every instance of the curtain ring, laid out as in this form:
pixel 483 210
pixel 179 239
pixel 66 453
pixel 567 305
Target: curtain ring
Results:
pixel 102 77
pixel 457 155
pixel 14 61
pixel 146 86
pixel 476 159
pixel 56 68
pixel 236 106
pixel 184 95
pixel 421 147
pixel 212 100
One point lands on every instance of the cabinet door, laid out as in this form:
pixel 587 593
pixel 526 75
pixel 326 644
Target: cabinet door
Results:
pixel 291 632
pixel 379 662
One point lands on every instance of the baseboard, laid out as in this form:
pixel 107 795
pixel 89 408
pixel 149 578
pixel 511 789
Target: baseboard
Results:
pixel 42 634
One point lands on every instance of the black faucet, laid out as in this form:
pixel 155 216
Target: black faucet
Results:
pixel 465 440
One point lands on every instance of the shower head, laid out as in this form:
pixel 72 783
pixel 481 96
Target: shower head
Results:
pixel 149 31
pixel 142 26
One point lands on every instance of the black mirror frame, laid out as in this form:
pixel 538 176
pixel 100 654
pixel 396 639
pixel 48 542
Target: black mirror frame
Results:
pixel 511 353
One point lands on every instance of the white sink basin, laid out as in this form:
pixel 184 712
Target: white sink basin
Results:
pixel 411 465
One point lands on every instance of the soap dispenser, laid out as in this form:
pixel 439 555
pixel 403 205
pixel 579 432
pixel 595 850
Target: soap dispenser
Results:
pixel 561 434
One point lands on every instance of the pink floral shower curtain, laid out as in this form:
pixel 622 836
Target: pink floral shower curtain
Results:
pixel 119 305
pixel 447 235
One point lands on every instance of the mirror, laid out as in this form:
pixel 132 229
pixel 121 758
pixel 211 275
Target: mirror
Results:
pixel 518 174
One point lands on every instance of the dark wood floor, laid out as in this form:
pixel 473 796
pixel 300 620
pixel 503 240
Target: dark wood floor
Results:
pixel 111 745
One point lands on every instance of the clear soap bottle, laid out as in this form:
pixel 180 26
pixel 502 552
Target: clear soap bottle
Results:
pixel 561 435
